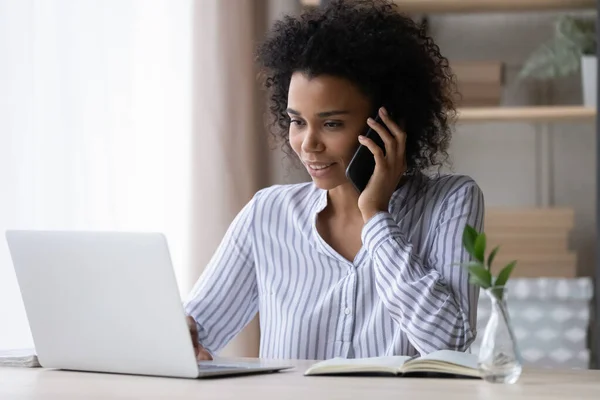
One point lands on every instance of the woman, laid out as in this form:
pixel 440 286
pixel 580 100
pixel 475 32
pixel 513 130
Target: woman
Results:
pixel 335 273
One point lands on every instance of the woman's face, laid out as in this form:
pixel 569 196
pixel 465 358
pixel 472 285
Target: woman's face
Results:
pixel 326 116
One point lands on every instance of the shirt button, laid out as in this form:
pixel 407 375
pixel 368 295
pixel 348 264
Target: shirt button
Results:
pixel 347 311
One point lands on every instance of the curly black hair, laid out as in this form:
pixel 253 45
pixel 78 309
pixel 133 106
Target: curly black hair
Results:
pixel 386 54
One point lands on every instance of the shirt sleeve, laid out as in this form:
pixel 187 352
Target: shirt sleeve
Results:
pixel 225 297
pixel 429 297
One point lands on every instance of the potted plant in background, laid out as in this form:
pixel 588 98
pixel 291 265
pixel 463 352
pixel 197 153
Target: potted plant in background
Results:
pixel 572 49
pixel 499 359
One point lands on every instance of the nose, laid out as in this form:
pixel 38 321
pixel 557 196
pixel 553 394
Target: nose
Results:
pixel 311 142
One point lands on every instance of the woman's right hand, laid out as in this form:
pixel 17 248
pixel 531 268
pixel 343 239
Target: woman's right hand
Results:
pixel 201 353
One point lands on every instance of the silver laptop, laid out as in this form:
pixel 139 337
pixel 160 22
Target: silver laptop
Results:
pixel 109 302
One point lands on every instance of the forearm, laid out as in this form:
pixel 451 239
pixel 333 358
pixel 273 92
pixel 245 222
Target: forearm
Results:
pixel 416 296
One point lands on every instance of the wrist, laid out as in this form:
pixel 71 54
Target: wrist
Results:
pixel 370 213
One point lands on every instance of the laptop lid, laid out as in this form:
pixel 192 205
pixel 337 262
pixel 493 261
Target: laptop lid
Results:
pixel 103 301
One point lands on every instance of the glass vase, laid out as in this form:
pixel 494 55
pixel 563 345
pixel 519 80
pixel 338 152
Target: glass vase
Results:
pixel 499 358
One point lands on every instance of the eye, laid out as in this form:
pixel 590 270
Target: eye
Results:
pixel 333 124
pixel 295 121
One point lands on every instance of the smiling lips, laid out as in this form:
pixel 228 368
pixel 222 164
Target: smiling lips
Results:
pixel 318 169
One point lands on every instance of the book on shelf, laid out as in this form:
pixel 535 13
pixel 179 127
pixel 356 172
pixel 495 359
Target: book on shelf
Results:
pixel 479 83
pixel 544 271
pixel 441 363
pixel 524 219
pixel 484 71
pixel 519 242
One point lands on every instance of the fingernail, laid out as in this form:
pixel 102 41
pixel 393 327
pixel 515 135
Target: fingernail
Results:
pixel 383 110
pixel 370 120
pixel 361 138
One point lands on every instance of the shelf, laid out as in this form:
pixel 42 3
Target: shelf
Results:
pixel 465 6
pixel 470 6
pixel 523 114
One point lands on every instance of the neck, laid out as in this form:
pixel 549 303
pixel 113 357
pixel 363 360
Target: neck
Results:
pixel 343 201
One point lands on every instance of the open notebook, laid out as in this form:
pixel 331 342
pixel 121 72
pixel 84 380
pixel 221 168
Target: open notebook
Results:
pixel 19 358
pixel 443 362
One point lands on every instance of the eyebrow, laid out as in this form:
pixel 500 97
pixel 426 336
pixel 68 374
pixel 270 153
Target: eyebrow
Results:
pixel 324 114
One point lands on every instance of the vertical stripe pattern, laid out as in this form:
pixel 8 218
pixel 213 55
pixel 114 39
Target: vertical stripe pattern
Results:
pixel 401 295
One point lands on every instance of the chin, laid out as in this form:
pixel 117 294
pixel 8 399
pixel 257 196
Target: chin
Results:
pixel 327 184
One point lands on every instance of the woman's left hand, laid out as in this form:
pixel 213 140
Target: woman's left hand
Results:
pixel 389 168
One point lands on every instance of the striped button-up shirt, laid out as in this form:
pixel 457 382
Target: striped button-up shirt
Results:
pixel 403 294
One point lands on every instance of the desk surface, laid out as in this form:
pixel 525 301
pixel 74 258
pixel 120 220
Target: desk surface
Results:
pixel 37 383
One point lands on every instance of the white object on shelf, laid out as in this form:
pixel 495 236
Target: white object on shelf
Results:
pixel 589 68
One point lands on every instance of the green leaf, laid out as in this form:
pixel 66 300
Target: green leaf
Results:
pixel 480 243
pixel 557 58
pixel 492 256
pixel 497 292
pixel 505 274
pixel 473 279
pixel 580 31
pixel 479 275
pixel 469 237
pixel 573 37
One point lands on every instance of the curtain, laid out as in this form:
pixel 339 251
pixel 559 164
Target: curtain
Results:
pixel 231 158
pixel 95 122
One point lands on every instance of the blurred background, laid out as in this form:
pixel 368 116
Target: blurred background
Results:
pixel 146 116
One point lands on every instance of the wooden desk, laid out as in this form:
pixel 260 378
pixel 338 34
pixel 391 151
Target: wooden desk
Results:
pixel 22 383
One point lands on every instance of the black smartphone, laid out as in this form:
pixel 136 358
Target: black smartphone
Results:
pixel 362 165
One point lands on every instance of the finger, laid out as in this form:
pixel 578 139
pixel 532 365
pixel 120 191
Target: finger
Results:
pixel 193 332
pixel 388 140
pixel 191 322
pixel 376 150
pixel 203 355
pixel 394 128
